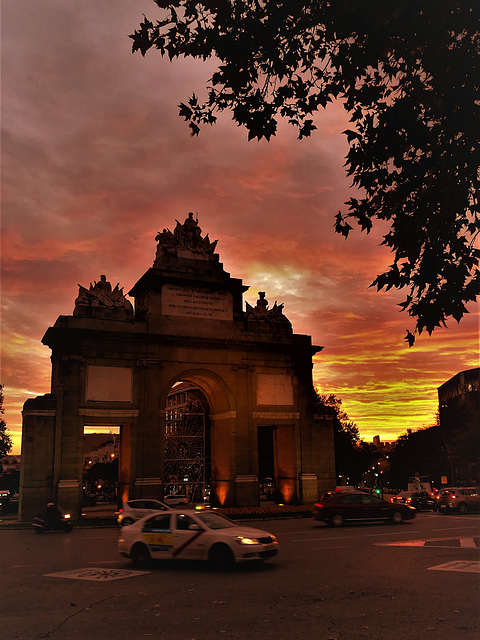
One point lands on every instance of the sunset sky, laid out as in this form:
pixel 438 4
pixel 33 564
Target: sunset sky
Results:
pixel 96 161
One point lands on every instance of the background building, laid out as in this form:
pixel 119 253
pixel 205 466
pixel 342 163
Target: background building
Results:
pixel 459 416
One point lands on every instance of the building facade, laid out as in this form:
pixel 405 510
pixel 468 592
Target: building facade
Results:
pixel 459 419
pixel 115 364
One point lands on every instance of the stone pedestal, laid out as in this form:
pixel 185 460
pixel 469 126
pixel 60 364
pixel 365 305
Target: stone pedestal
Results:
pixel 67 497
pixel 246 490
pixel 308 487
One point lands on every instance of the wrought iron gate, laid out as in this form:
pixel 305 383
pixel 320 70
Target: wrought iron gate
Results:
pixel 184 456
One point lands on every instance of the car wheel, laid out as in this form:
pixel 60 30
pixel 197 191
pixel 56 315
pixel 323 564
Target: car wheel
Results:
pixel 140 555
pixel 127 521
pixel 221 557
pixel 462 508
pixel 397 517
pixel 337 520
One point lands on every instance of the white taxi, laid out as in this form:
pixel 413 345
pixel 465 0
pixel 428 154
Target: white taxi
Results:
pixel 181 534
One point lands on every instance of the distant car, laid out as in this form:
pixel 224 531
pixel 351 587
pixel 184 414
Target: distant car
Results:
pixel 336 509
pixel 175 499
pixel 133 510
pixel 421 500
pixel 194 535
pixel 459 499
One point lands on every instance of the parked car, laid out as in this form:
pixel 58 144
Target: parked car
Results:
pixel 336 509
pixel 175 499
pixel 459 499
pixel 133 510
pixel 421 500
pixel 194 535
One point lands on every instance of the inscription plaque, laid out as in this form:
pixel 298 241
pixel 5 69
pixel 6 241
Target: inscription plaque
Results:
pixel 195 302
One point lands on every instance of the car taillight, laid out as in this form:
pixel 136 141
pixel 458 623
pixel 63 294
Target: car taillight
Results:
pixel 318 506
pixel 453 496
pixel 120 511
pixel 409 499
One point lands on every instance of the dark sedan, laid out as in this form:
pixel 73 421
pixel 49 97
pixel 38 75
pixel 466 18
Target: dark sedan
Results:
pixel 336 509
pixel 421 500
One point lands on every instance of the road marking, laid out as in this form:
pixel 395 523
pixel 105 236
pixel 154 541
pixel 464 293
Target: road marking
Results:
pixel 96 574
pixel 373 535
pixel 455 543
pixel 458 565
pixel 454 528
pixel 296 533
pixel 107 562
pixel 315 539
pixel 468 543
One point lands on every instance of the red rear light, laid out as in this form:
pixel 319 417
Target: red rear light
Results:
pixel 318 506
pixel 120 510
pixel 453 496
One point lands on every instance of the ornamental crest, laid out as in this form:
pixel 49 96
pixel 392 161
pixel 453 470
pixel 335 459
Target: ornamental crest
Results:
pixel 185 236
pixel 101 295
pixel 261 311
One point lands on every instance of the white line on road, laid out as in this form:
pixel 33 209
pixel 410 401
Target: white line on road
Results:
pixel 315 539
pixel 454 528
pixel 373 535
pixel 296 533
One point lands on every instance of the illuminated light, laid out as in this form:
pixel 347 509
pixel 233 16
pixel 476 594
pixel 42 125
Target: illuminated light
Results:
pixel 280 504
pixel 222 492
pixel 243 540
pixel 286 488
pixel 66 516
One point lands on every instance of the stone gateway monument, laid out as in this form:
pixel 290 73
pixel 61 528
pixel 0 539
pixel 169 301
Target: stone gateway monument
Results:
pixel 114 364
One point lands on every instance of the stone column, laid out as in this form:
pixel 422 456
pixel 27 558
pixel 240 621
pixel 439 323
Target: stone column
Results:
pixel 148 441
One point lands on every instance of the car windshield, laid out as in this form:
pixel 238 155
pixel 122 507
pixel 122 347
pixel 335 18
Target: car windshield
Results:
pixel 215 521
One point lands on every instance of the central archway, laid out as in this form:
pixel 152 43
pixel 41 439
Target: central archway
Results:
pixel 187 457
pixel 199 410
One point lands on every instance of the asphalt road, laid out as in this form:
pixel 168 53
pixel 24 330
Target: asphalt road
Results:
pixel 416 581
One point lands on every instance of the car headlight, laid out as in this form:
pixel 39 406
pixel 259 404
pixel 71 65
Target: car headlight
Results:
pixel 245 540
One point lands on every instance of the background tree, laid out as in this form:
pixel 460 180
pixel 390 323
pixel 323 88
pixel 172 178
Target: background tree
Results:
pixel 421 452
pixel 352 455
pixel 5 438
pixel 406 73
